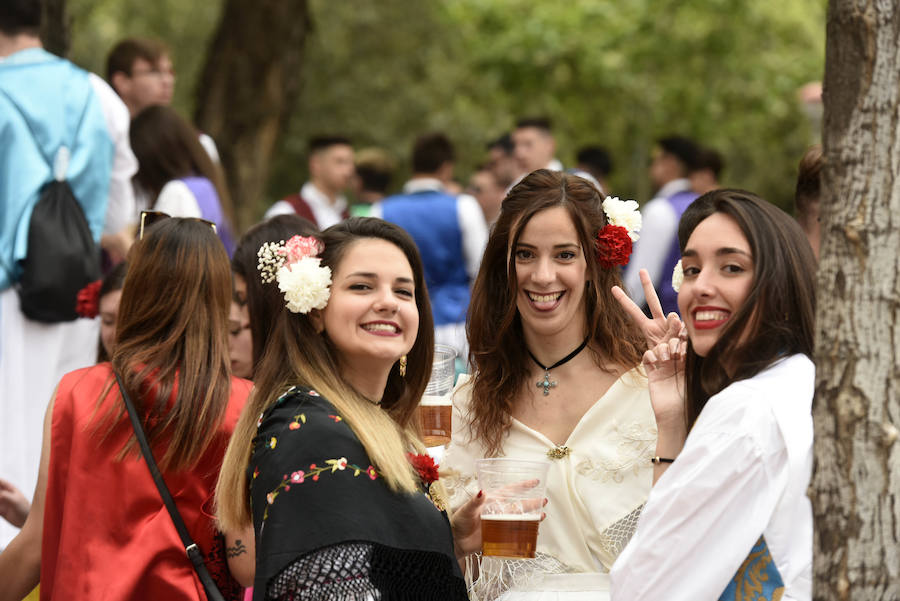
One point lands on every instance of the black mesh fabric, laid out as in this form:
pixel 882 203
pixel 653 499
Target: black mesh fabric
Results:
pixel 361 571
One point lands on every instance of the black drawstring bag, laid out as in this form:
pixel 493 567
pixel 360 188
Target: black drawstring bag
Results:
pixel 62 257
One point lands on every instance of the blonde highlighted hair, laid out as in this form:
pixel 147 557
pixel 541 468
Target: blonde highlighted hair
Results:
pixel 296 354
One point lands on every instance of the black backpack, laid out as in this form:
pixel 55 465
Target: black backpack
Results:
pixel 62 257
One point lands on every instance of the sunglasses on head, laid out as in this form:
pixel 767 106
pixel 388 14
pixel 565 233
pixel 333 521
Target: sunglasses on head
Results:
pixel 148 218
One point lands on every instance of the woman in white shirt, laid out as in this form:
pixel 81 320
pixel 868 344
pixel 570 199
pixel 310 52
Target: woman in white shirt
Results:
pixel 730 515
pixel 175 174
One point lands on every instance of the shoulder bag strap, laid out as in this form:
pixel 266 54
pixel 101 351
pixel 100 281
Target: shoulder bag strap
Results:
pixel 190 547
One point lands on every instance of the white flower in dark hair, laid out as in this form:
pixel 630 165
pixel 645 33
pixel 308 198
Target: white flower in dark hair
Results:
pixel 623 213
pixel 305 284
pixel 677 276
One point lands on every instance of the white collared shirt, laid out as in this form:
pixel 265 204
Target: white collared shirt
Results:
pixel 743 473
pixel 327 213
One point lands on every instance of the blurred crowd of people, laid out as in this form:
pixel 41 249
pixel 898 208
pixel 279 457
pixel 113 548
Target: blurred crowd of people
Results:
pixel 660 360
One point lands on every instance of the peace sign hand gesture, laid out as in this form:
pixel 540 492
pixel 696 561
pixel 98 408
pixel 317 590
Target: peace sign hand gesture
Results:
pixel 659 328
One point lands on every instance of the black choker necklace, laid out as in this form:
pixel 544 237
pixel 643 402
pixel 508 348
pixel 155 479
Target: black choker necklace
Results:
pixel 547 383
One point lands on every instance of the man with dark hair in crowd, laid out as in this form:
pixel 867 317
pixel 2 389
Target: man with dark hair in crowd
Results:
pixel 674 157
pixel 374 170
pixel 321 199
pixel 535 146
pixel 449 230
pixel 56 119
pixel 706 172
pixel 140 70
pixel 502 160
pixel 488 191
pixel 808 194
pixel 595 161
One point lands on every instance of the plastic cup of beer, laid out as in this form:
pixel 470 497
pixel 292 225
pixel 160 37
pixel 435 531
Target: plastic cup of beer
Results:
pixel 435 408
pixel 514 492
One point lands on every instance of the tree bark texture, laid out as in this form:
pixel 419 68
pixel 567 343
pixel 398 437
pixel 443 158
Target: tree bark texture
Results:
pixel 55 28
pixel 248 88
pixel 856 481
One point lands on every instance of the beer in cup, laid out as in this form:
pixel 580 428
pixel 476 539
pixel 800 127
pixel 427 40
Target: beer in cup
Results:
pixel 514 492
pixel 435 408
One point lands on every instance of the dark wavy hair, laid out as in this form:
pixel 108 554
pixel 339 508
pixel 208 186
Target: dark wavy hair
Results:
pixel 497 347
pixel 265 302
pixel 777 318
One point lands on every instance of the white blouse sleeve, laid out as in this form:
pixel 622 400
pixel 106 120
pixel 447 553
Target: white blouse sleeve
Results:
pixel 709 508
pixel 177 200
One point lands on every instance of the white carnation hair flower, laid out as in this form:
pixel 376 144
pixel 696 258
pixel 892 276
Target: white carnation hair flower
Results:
pixel 306 285
pixel 623 213
pixel 305 282
pixel 677 276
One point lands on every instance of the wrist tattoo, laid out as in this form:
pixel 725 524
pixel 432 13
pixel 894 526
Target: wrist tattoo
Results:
pixel 238 549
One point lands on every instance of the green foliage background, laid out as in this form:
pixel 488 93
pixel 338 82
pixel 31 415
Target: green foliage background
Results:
pixel 614 72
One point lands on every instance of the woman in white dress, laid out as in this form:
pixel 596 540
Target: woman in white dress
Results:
pixel 556 375
pixel 730 517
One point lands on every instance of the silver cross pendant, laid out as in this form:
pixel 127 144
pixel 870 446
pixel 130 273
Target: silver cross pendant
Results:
pixel 546 383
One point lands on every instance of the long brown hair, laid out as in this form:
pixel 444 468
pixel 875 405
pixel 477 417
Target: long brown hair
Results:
pixel 497 347
pixel 167 147
pixel 264 302
pixel 296 354
pixel 172 338
pixel 778 317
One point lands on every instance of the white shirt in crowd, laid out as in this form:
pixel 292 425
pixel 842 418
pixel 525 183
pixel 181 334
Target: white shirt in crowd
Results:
pixel 325 212
pixel 658 230
pixel 743 473
pixel 120 209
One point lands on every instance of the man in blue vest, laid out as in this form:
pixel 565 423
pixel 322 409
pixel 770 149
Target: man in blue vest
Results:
pixel 47 103
pixel 449 230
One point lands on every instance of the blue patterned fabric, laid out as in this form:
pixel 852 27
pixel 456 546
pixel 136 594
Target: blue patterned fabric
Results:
pixel 757 579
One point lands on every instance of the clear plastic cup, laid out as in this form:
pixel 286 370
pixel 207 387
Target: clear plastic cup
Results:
pixel 514 492
pixel 435 409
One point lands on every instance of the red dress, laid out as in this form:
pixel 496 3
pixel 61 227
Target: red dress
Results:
pixel 107 534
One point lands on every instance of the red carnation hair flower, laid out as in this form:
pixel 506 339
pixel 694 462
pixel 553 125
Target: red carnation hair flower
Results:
pixel 613 246
pixel 425 467
pixel 87 303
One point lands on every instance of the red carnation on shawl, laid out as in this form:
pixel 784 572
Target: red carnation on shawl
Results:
pixel 425 466
pixel 87 303
pixel 613 246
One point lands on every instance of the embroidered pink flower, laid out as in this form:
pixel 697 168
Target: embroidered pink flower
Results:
pixel 371 473
pixel 302 246
pixel 270 498
pixel 312 393
pixel 341 463
pixel 297 477
pixel 255 472
pixel 87 303
pixel 294 426
pixel 336 418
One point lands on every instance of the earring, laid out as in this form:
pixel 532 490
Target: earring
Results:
pixel 403 366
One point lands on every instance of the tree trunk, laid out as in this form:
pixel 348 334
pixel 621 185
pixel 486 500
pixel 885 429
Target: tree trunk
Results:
pixel 856 482
pixel 55 29
pixel 248 88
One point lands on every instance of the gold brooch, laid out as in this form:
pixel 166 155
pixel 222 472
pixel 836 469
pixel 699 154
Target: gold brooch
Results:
pixel 437 499
pixel 558 452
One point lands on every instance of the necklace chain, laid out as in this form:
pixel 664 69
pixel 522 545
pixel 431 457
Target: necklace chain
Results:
pixel 546 383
